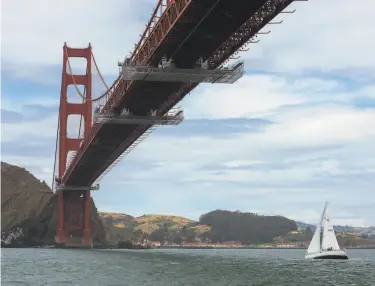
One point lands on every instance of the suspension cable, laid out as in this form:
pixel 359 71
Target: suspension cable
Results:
pixel 75 84
pixel 56 147
pixel 84 92
pixel 71 73
pixel 97 69
pixel 80 119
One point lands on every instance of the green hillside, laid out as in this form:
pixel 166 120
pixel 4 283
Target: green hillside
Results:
pixel 214 226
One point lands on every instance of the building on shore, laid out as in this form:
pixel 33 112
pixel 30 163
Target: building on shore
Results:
pixel 155 243
pixel 289 245
pixel 215 245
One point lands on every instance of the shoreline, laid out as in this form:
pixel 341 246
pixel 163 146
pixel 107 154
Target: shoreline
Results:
pixel 245 247
pixel 185 247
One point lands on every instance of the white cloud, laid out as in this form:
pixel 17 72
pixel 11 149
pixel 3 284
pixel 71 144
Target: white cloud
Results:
pixel 308 127
pixel 9 102
pixel 329 36
pixel 293 174
pixel 322 126
pixel 254 95
pixel 312 217
pixel 42 128
pixel 38 39
pixel 241 163
pixel 262 95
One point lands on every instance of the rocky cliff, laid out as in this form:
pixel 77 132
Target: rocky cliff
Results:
pixel 30 205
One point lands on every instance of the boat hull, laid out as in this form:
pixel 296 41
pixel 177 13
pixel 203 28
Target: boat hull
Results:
pixel 333 254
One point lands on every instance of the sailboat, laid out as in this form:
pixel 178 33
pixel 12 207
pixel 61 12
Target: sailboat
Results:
pixel 324 244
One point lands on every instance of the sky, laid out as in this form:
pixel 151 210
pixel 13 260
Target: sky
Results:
pixel 295 131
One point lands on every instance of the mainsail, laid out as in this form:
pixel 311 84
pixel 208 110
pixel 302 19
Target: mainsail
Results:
pixel 315 244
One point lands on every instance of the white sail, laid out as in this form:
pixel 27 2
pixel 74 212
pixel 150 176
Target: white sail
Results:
pixel 315 245
pixel 327 246
pixel 329 238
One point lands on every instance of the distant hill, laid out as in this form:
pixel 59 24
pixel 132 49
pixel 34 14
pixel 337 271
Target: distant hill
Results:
pixel 117 219
pixel 368 232
pixel 302 226
pixel 214 226
pixel 151 222
pixel 248 228
pixel 125 227
pixel 340 228
pixel 30 205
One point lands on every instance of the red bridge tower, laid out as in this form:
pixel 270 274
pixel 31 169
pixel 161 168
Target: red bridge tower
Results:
pixel 74 203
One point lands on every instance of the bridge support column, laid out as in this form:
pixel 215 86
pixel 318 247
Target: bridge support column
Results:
pixel 87 239
pixel 74 205
pixel 60 238
pixel 73 228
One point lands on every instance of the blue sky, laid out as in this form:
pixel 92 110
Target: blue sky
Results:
pixel 295 131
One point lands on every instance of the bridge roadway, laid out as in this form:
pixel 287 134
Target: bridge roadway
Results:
pixel 200 30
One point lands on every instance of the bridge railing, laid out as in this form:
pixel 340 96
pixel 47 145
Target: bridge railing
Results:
pixel 250 29
pixel 155 16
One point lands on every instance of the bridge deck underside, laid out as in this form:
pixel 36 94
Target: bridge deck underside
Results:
pixel 108 138
pixel 200 30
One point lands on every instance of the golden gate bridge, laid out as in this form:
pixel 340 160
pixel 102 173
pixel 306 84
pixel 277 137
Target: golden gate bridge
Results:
pixel 186 42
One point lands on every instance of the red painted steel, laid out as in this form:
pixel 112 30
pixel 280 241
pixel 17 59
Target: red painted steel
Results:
pixel 73 208
pixel 167 20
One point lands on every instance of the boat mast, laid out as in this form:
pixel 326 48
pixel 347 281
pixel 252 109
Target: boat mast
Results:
pixel 321 225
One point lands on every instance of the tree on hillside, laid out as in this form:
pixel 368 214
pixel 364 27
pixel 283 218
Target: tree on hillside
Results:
pixel 308 230
pixel 165 227
pixel 177 239
pixel 245 227
pixel 108 220
pixel 137 235
pixel 190 235
pixel 158 235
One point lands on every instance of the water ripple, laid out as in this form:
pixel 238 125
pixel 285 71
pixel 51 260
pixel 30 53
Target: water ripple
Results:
pixel 182 267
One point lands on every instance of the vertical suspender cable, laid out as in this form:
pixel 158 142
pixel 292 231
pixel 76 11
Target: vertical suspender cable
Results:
pixel 80 120
pixel 57 139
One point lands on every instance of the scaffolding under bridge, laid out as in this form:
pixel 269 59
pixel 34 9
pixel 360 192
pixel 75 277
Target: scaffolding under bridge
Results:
pixel 169 73
pixel 174 117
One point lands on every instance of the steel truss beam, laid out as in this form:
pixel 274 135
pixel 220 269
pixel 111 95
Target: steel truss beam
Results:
pixel 174 117
pixel 146 73
pixel 77 188
pixel 247 31
pixel 138 120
